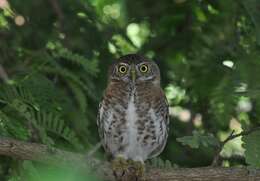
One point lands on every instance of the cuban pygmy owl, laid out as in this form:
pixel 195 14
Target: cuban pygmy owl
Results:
pixel 133 115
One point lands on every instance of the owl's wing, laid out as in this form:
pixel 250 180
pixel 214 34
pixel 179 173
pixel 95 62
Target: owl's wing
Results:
pixel 166 113
pixel 161 108
pixel 100 122
pixel 98 117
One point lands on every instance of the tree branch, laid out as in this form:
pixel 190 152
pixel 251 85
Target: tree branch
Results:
pixel 229 138
pixel 37 152
pixel 57 9
pixel 42 153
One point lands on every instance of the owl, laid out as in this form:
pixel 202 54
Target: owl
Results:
pixel 133 116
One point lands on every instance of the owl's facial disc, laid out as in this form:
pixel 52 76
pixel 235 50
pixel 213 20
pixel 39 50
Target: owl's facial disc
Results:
pixel 135 70
pixel 147 72
pixel 120 72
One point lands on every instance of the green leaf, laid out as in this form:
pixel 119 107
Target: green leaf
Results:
pixel 191 141
pixel 58 51
pixel 199 139
pixel 159 163
pixel 252 149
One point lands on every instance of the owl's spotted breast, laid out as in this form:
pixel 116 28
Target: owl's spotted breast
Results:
pixel 133 120
pixel 133 115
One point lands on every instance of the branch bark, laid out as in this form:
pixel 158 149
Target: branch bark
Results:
pixel 42 153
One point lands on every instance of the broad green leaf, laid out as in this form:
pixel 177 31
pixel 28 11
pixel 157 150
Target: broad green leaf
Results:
pixel 252 149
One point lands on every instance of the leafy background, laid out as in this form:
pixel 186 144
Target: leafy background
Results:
pixel 54 57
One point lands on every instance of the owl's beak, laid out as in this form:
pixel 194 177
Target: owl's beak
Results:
pixel 133 73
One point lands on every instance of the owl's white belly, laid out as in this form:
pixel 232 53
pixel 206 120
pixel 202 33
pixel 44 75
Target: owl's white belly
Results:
pixel 133 150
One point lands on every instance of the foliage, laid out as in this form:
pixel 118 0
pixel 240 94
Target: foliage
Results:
pixel 32 172
pixel 198 139
pixel 252 148
pixel 54 57
pixel 159 163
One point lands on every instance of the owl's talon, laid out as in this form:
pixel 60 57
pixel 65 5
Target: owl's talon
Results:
pixel 137 168
pixel 119 166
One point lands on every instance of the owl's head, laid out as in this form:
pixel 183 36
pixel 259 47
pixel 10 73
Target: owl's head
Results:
pixel 135 69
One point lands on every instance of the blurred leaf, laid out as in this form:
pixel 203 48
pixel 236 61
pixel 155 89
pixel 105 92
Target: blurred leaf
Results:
pixel 33 172
pixel 252 148
pixel 252 7
pixel 198 139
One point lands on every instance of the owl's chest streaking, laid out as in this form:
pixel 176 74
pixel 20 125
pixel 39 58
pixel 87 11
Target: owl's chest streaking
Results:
pixel 132 122
pixel 140 129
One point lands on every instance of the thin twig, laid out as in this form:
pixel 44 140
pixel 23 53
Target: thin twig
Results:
pixel 229 138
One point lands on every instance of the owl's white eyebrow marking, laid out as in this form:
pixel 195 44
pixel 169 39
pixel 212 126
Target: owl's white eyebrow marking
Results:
pixel 122 63
pixel 142 63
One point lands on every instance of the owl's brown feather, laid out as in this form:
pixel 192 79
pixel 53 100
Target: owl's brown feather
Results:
pixel 133 115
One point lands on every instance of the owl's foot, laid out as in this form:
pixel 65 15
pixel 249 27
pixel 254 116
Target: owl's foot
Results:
pixel 137 168
pixel 120 167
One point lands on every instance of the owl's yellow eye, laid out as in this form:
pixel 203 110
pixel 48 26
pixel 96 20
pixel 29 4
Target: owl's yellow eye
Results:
pixel 143 68
pixel 122 69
